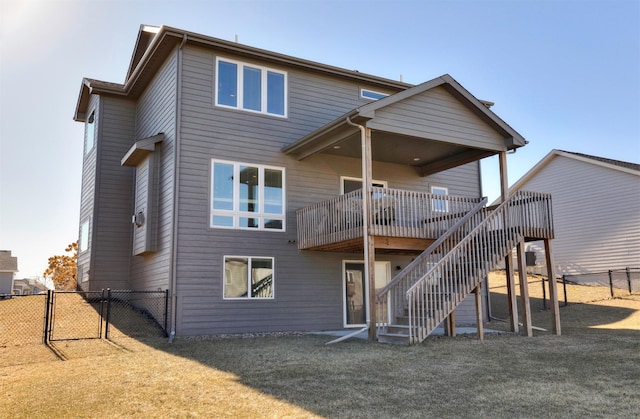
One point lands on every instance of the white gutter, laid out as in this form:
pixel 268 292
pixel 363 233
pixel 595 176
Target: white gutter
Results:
pixel 176 177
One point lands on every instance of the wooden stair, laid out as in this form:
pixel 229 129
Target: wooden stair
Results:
pixel 429 289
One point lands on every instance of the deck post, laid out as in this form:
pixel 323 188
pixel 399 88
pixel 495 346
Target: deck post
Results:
pixel 553 288
pixel 367 237
pixel 524 289
pixel 450 324
pixel 479 318
pixel 508 262
pixel 369 245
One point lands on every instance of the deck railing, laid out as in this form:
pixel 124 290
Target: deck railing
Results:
pixel 392 299
pixel 443 285
pixel 394 213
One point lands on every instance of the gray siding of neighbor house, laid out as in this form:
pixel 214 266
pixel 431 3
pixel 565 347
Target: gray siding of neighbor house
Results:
pixel 596 213
pixel 88 194
pixel 308 285
pixel 6 282
pixel 156 113
pixel 111 236
pixel 447 119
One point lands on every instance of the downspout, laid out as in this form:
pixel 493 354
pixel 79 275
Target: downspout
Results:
pixel 176 177
pixel 366 189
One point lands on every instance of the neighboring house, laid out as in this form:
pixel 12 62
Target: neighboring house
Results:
pixel 28 286
pixel 233 176
pixel 8 268
pixel 596 211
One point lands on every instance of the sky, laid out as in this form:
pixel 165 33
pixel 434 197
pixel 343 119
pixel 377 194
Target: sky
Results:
pixel 565 74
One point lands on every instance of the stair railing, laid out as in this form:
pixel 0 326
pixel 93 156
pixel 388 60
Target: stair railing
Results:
pixel 449 280
pixel 391 299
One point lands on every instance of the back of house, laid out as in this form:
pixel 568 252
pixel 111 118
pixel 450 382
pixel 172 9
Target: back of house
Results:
pixel 205 171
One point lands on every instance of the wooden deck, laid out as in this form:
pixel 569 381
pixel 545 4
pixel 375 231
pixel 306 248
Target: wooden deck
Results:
pixel 400 222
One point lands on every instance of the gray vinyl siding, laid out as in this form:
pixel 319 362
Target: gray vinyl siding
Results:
pixel 156 113
pixel 88 194
pixel 111 225
pixel 308 285
pixel 596 214
pixel 6 283
pixel 435 113
pixel 140 232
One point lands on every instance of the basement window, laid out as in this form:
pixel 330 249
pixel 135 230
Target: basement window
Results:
pixel 248 277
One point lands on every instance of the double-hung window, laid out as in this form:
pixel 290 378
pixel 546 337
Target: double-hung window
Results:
pixel 439 205
pixel 247 196
pixel 251 87
pixel 248 277
pixel 84 236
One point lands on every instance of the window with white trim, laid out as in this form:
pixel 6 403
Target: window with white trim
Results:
pixel 84 236
pixel 247 196
pixel 350 184
pixel 90 133
pixel 371 94
pixel 439 205
pixel 251 87
pixel 248 277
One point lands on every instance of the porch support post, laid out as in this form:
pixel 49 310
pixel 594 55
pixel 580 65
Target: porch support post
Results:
pixel 508 262
pixel 553 288
pixel 479 317
pixel 524 290
pixel 369 245
pixel 368 241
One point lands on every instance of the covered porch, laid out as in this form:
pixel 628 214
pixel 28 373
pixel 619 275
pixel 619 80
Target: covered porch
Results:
pixel 431 127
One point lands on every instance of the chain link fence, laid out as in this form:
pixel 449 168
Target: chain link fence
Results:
pixel 74 315
pixel 21 319
pixel 620 282
pixel 136 313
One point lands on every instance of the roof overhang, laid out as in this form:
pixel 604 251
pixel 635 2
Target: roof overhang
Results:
pixel 397 141
pixel 141 149
pixel 155 43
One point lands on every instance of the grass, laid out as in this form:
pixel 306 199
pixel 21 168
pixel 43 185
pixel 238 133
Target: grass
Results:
pixel 591 370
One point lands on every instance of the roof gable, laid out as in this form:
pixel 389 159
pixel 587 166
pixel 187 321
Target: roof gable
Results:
pixel 611 162
pixel 8 263
pixel 479 108
pixel 631 168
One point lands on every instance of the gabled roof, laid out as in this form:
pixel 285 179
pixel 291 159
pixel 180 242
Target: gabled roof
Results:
pixel 309 143
pixel 612 162
pixel 8 263
pixel 155 43
pixel 626 167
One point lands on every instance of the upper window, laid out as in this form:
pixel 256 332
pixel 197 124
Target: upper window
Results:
pixel 90 133
pixel 248 277
pixel 350 184
pixel 370 94
pixel 439 205
pixel 247 196
pixel 251 88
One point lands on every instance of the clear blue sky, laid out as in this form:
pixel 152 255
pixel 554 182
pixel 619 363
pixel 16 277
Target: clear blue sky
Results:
pixel 565 74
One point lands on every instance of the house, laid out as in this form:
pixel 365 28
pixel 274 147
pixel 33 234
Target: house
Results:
pixel 271 193
pixel 596 211
pixel 8 268
pixel 28 286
